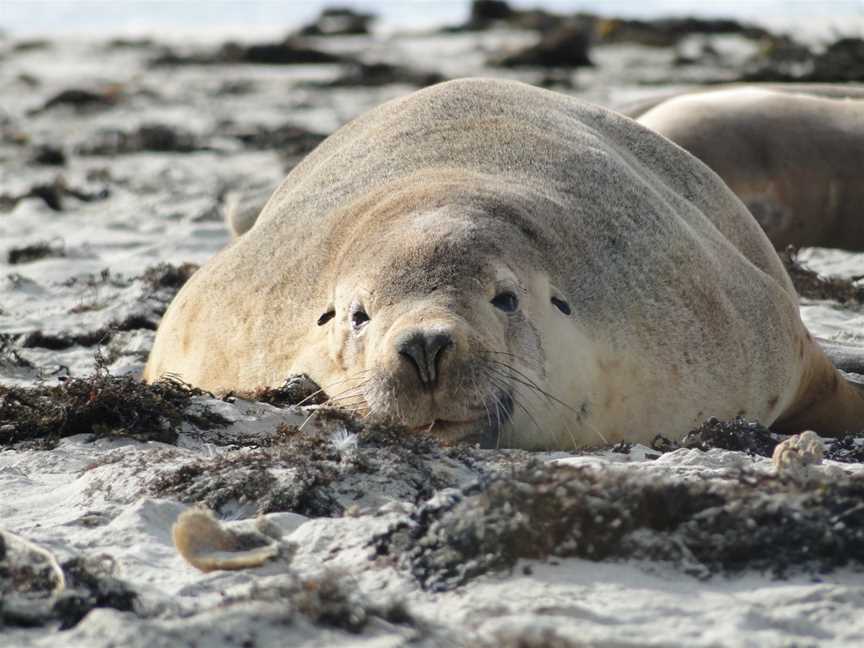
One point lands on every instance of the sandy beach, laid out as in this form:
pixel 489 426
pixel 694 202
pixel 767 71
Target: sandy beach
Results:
pixel 119 156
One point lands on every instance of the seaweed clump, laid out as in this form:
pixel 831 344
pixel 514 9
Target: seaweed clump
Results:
pixel 166 275
pixel 101 405
pixel 36 591
pixel 739 434
pixel 252 477
pixel 90 584
pixel 319 471
pixel 810 285
pixel 329 600
pixel 34 252
pixel 845 449
pixel 764 523
pixel 296 390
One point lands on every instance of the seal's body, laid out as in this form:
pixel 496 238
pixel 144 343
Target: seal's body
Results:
pixel 496 262
pixel 793 154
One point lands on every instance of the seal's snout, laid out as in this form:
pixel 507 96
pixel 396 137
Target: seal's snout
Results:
pixel 423 349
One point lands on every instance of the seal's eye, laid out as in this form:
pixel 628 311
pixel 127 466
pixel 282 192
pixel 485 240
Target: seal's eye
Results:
pixel 506 301
pixel 562 305
pixel 359 318
pixel 326 317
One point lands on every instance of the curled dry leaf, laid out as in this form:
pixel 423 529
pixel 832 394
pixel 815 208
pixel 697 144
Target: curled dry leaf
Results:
pixel 208 545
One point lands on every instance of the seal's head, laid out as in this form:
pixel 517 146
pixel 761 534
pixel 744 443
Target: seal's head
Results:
pixel 448 322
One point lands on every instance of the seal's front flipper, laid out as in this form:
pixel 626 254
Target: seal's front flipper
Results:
pixel 847 358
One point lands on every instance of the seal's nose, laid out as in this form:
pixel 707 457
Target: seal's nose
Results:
pixel 423 349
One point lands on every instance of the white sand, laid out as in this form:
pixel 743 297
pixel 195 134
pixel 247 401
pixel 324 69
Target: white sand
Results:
pixel 89 498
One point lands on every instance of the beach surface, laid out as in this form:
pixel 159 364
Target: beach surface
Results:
pixel 118 160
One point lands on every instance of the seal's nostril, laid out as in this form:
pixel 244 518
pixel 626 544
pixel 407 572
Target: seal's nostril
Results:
pixel 423 349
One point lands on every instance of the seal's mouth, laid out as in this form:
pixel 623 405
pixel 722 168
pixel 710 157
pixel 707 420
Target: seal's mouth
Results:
pixel 484 430
pixel 439 426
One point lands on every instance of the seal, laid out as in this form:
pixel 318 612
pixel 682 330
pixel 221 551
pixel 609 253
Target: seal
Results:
pixel 505 265
pixel 791 153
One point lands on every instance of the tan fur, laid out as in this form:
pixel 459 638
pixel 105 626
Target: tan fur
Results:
pixel 426 208
pixel 792 154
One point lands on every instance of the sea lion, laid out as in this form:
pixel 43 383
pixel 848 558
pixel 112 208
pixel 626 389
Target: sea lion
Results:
pixel 791 153
pixel 502 264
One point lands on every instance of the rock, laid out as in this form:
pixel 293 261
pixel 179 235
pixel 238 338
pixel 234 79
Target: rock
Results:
pixel 338 21
pixel 284 52
pixel 785 60
pixel 842 61
pixel 287 52
pixel 566 47
pixel 372 75
pixel 486 11
pixel 488 14
pixel 667 32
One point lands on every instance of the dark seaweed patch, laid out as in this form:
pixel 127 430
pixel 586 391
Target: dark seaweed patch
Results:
pixel 758 522
pixel 89 585
pixel 373 75
pixel 35 252
pixel 845 449
pixel 48 155
pixel 52 194
pixel 62 341
pixel 296 390
pixel 247 477
pixel 160 138
pixel 316 471
pixel 739 434
pixel 9 356
pixel 812 286
pixel 27 590
pixel 330 600
pixel 166 275
pixel 81 98
pixel 102 405
pixel 290 140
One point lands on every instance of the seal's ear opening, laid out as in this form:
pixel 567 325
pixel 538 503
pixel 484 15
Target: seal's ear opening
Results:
pixel 326 317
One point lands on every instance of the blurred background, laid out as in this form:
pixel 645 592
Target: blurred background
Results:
pixel 129 128
pixel 27 17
